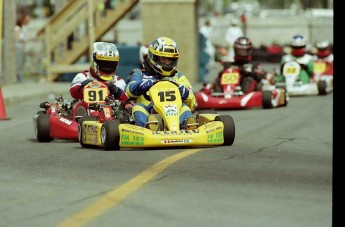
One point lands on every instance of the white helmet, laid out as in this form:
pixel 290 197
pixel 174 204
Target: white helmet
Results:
pixel 298 41
pixel 298 45
pixel 322 44
pixel 143 52
pixel 105 59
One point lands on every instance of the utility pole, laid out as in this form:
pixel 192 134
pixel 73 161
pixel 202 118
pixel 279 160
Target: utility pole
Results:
pixel 8 73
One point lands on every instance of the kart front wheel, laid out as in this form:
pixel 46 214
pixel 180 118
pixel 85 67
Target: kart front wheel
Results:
pixel 81 134
pixel 321 86
pixel 110 136
pixel 229 129
pixel 43 128
pixel 267 99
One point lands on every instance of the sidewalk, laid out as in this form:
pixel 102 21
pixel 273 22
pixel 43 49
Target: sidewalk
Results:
pixel 19 92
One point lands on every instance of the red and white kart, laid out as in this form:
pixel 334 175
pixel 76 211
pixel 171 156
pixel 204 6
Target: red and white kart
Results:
pixel 320 83
pixel 232 97
pixel 60 119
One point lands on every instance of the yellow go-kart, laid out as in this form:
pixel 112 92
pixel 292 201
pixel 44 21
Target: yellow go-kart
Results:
pixel 207 129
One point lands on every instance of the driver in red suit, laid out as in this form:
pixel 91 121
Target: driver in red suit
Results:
pixel 105 59
pixel 251 74
pixel 325 54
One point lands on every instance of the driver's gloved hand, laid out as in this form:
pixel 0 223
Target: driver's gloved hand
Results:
pixel 184 91
pixel 112 88
pixel 83 84
pixel 145 85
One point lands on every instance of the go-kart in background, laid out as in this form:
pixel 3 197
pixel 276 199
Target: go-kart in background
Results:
pixel 269 33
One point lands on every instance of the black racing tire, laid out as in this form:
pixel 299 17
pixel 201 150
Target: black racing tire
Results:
pixel 80 129
pixel 229 129
pixel 267 99
pixel 110 135
pixel 41 112
pixel 43 128
pixel 321 86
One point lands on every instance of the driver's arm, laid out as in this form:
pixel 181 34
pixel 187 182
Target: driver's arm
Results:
pixel 133 84
pixel 78 82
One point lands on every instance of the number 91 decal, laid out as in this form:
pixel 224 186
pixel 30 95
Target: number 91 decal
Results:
pixel 95 95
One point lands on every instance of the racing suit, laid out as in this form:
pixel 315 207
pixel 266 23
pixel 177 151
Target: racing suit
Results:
pixel 251 74
pixel 329 61
pixel 307 67
pixel 143 107
pixel 116 86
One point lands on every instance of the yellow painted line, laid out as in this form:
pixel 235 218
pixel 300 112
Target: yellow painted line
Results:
pixel 116 196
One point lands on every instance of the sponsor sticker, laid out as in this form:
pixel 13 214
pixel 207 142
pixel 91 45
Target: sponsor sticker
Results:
pixel 170 110
pixel 176 141
pixel 215 137
pixel 66 121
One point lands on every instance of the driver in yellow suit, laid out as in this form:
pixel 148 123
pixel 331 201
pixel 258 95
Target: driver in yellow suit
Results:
pixel 160 64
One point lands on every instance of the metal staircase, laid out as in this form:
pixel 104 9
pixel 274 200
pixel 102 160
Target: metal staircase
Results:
pixel 61 58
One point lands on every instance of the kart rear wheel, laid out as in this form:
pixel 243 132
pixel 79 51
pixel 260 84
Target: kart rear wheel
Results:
pixel 229 129
pixel 80 129
pixel 43 128
pixel 110 135
pixel 267 99
pixel 321 86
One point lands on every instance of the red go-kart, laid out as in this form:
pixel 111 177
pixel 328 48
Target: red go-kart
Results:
pixel 60 119
pixel 232 97
pixel 323 75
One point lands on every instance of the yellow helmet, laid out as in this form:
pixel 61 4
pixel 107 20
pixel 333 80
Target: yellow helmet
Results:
pixel 163 56
pixel 105 59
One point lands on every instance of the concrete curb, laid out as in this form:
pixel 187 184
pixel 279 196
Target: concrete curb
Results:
pixel 19 92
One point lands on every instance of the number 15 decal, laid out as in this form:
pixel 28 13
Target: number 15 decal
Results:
pixel 167 96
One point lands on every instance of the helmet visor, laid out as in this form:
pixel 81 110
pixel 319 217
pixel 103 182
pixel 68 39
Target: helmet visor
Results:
pixel 106 67
pixel 243 52
pixel 166 63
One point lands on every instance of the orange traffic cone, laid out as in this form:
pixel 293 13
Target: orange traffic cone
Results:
pixel 3 115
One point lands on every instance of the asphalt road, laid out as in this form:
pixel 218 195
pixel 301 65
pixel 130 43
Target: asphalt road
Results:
pixel 278 172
